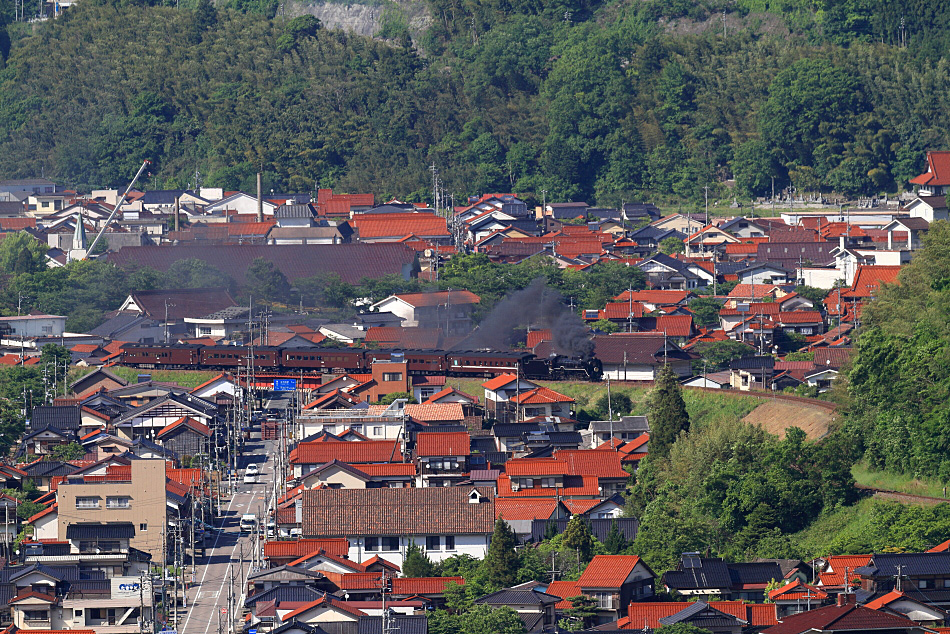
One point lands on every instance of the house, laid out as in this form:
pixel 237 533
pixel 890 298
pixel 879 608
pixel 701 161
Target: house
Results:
pixel 449 520
pixel 666 273
pixel 449 310
pixel 913 228
pixel 534 608
pixel 614 581
pixel 173 306
pixel 725 616
pixel 239 203
pixel 936 180
pixel 541 401
pixel 706 240
pixel 391 227
pixel 704 577
pixel 917 610
pixel 308 455
pixel 500 390
pixel 846 616
pixel 148 420
pixel 640 356
pixel 752 372
pixel 918 575
pixel 796 596
pixel 134 498
pixel 186 437
pixel 442 457
pixel 339 475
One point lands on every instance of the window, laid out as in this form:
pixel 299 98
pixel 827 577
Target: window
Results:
pixel 91 502
pixel 605 600
pixel 390 543
pixel 36 615
pixel 77 614
pixel 433 542
pixel 922 584
pixel 118 502
pixel 450 542
pixel 946 583
pixel 372 543
pixel 143 527
pixel 377 431
pixel 392 376
pixel 99 546
pixel 47 330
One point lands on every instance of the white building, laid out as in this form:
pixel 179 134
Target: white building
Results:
pixel 445 521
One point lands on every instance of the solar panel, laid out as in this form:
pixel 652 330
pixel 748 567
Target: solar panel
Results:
pixel 691 561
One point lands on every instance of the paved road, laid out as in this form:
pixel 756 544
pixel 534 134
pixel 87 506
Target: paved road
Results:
pixel 209 595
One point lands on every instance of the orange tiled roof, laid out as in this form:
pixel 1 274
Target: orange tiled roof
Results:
pixel 565 590
pixel 430 444
pixel 592 463
pixel 499 381
pixel 608 571
pixel 540 395
pixel 423 585
pixel 525 509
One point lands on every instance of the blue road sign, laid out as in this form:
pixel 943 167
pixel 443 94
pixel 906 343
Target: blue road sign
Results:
pixel 285 385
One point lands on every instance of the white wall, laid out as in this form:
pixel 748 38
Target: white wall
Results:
pixel 820 278
pixel 474 545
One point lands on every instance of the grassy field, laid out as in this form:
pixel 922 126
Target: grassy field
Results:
pixel 895 482
pixel 185 378
pixel 704 408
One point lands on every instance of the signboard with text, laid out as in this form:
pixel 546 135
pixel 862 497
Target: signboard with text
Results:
pixel 285 385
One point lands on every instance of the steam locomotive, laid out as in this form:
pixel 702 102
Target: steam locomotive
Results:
pixel 469 363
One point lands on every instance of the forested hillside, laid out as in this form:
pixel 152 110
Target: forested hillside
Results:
pixel 587 100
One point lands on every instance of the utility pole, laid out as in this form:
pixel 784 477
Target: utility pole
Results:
pixel 166 318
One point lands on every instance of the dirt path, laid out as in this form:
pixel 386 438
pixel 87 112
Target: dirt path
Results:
pixel 904 498
pixel 777 416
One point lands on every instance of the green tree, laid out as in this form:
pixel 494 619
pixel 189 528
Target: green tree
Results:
pixel 815 295
pixel 605 325
pixel 27 509
pixel 55 354
pixel 615 542
pixel 719 354
pixel 668 416
pixel 705 311
pixel 501 560
pixel 22 253
pixel 417 563
pixel 682 628
pixel 11 425
pixel 67 452
pixel 580 615
pixel 671 245
pixel 263 280
pixel 578 537
pixel 389 398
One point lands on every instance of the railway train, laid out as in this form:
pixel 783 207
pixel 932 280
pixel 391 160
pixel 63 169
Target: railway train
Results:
pixel 469 363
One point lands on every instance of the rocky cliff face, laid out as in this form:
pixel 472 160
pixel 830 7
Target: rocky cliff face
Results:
pixel 361 18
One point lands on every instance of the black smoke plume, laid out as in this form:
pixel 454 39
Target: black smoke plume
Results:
pixel 537 306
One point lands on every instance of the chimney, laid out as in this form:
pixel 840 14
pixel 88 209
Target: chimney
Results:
pixel 298 512
pixel 260 200
pixel 846 598
pixel 177 210
pixel 840 240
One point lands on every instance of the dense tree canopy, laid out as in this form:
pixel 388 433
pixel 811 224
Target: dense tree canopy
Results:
pixel 583 99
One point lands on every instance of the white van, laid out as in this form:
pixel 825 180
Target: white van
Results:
pixel 248 523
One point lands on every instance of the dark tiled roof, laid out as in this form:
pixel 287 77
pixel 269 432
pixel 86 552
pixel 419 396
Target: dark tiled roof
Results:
pixel 49 469
pixel 912 564
pixel 294 211
pixel 403 624
pixel 637 348
pixel 753 363
pixel 510 596
pixel 189 302
pixel 116 324
pixel 761 572
pixel 712 573
pixel 296 593
pixel 351 262
pixel 410 511
pixel 59 416
pixel 702 614
pixel 843 618
pixel 100 530
pixel 628 527
pixel 818 253
pixel 625 424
